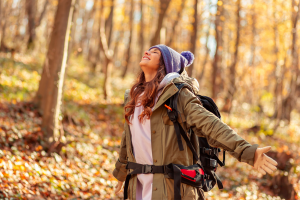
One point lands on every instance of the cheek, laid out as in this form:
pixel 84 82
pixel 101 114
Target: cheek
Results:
pixel 155 61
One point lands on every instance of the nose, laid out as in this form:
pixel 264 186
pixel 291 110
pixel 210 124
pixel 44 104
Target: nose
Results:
pixel 147 53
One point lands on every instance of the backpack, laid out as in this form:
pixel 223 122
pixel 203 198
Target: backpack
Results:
pixel 209 160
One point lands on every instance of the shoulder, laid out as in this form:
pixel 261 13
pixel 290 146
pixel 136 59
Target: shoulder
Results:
pixel 186 96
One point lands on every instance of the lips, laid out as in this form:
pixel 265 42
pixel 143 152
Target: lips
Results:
pixel 146 57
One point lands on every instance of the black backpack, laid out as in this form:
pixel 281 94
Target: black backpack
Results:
pixel 208 155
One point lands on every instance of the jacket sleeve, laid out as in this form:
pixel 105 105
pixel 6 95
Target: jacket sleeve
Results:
pixel 120 171
pixel 218 134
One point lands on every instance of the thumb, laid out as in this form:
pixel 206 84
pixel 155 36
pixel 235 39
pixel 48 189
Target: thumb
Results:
pixel 265 149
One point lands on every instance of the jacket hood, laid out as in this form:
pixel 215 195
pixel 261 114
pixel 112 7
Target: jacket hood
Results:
pixel 189 80
pixel 174 77
pixel 179 78
pixel 167 79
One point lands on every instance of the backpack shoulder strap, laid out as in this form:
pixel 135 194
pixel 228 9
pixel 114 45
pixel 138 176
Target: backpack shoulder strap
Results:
pixel 173 114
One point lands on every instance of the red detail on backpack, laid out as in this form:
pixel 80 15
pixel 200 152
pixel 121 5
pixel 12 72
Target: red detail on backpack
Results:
pixel 190 173
pixel 168 107
pixel 201 171
pixel 188 178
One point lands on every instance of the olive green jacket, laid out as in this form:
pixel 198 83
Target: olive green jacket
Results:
pixel 165 148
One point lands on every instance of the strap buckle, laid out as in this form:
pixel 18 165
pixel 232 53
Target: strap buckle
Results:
pixel 147 169
pixel 213 163
pixel 172 115
pixel 165 170
pixel 207 151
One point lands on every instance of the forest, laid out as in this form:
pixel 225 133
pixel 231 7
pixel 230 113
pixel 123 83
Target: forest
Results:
pixel 65 66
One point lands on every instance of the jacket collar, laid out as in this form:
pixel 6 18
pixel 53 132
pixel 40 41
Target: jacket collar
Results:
pixel 167 87
pixel 170 89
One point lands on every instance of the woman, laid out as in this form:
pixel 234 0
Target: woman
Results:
pixel 149 135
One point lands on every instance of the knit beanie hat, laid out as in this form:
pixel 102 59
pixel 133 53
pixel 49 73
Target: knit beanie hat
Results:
pixel 174 62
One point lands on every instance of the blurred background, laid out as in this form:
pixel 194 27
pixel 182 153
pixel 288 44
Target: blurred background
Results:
pixel 65 65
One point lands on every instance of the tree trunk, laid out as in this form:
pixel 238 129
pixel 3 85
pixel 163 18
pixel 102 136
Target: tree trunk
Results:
pixel 278 75
pixel 218 54
pixel 94 56
pixel 1 27
pixel 108 53
pixel 30 10
pixel 200 77
pixel 128 53
pixel 164 4
pixel 109 23
pixel 232 85
pixel 173 32
pixel 39 20
pixel 73 29
pixel 33 23
pixel 18 23
pixel 194 36
pixel 290 100
pixel 252 61
pixel 253 27
pixel 49 94
pixel 142 31
pixel 5 12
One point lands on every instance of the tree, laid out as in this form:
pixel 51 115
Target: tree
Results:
pixel 232 68
pixel 201 75
pixel 290 100
pixel 33 20
pixel 215 75
pixel 5 10
pixel 164 4
pixel 108 49
pixel 128 52
pixel 194 36
pixel 142 30
pixel 49 95
pixel 175 24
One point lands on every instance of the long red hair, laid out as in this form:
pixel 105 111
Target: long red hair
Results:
pixel 148 97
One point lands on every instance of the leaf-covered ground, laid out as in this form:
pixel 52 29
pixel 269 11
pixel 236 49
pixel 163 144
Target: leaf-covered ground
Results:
pixel 92 128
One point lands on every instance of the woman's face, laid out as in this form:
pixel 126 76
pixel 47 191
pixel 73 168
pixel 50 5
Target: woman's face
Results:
pixel 150 60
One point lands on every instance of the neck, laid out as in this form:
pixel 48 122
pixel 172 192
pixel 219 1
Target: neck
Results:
pixel 149 76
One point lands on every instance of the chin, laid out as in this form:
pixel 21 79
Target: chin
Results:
pixel 142 64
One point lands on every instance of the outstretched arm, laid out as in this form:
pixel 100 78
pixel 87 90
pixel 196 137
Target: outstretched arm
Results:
pixel 220 134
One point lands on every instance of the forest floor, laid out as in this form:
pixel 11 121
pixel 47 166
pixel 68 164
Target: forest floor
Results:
pixel 92 129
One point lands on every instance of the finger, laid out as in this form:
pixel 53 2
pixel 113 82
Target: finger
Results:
pixel 261 171
pixel 265 149
pixel 267 169
pixel 118 190
pixel 271 166
pixel 270 160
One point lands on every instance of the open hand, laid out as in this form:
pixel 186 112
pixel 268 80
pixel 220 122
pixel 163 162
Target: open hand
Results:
pixel 263 163
pixel 118 187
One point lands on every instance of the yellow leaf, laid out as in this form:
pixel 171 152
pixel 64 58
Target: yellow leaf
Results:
pixel 22 168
